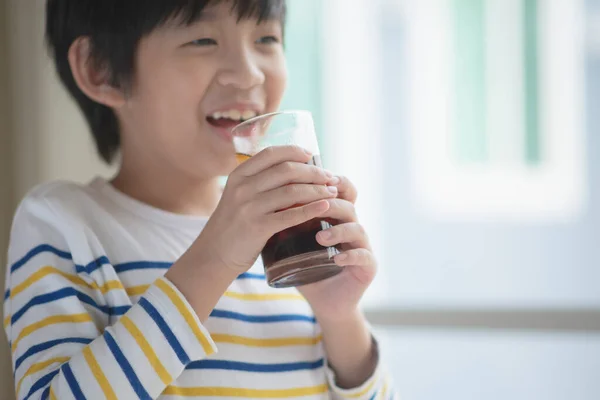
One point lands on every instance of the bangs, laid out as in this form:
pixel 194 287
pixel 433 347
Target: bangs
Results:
pixel 190 11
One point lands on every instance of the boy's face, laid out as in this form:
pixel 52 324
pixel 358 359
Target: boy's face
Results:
pixel 194 83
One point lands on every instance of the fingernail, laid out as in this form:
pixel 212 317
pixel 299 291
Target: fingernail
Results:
pixel 332 189
pixel 325 235
pixel 334 181
pixel 308 152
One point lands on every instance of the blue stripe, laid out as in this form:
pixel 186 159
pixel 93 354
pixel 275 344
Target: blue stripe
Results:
pixel 126 367
pixel 248 367
pixel 103 260
pixel 46 393
pixel 6 294
pixel 44 248
pixel 42 382
pixel 250 275
pixel 167 332
pixel 73 384
pixel 92 266
pixel 261 318
pixel 48 345
pixel 131 266
pixel 64 293
pixel 374 395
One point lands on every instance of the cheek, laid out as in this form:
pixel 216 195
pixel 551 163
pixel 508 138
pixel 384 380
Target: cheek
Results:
pixel 276 82
pixel 170 97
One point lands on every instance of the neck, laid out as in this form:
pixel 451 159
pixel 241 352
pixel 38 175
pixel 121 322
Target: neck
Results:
pixel 156 187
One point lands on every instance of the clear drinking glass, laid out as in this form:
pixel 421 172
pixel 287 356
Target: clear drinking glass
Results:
pixel 292 257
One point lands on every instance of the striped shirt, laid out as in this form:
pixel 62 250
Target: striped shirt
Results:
pixel 89 314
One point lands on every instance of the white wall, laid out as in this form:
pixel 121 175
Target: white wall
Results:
pixel 5 183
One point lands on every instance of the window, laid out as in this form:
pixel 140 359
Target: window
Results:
pixel 467 127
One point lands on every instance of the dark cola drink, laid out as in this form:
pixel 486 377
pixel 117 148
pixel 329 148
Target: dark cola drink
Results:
pixel 293 257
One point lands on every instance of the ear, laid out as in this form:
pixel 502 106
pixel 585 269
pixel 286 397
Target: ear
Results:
pixel 93 80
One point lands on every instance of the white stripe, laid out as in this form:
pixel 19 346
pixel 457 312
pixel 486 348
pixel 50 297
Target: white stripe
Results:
pixel 274 355
pixel 247 380
pixel 162 348
pixel 112 370
pixel 136 357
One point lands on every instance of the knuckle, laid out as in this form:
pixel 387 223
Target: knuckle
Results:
pixel 269 151
pixel 361 230
pixel 321 190
pixel 318 172
pixel 334 204
pixel 291 190
pixel 352 209
pixel 289 168
pixel 346 230
pixel 290 217
pixel 296 149
pixel 305 213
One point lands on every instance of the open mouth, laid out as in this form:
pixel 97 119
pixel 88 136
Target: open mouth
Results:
pixel 230 119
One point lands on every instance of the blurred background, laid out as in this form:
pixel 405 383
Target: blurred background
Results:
pixel 471 129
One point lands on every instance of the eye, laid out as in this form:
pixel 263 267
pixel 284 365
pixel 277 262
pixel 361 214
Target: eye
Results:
pixel 203 42
pixel 268 40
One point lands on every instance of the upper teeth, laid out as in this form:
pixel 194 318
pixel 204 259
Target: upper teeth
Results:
pixel 235 114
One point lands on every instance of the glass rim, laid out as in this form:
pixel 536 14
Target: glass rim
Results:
pixel 269 115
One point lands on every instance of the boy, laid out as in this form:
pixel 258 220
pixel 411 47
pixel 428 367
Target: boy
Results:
pixel 126 289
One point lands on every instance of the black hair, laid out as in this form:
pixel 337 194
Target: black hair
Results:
pixel 114 29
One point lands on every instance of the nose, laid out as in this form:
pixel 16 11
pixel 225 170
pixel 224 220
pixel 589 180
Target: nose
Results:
pixel 241 70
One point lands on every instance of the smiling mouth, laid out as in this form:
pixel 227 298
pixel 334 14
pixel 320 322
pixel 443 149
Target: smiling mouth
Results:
pixel 230 119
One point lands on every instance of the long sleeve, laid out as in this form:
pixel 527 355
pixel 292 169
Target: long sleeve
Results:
pixel 377 387
pixel 57 318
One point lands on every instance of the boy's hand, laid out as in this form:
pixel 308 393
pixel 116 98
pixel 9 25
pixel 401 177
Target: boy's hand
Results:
pixel 257 203
pixel 337 298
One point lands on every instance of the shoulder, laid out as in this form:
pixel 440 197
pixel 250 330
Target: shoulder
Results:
pixel 60 214
pixel 56 201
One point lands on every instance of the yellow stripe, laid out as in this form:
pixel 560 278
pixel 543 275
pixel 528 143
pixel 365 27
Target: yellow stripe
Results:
pixel 40 367
pixel 187 315
pixel 248 393
pixel 52 395
pixel 276 342
pixel 108 286
pixel 137 290
pixel 6 321
pixel 383 393
pixel 56 319
pixel 364 391
pixel 45 271
pixel 165 377
pixel 98 374
pixel 264 297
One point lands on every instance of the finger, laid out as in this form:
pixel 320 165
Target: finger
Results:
pixel 291 195
pixel 346 189
pixel 289 172
pixel 272 156
pixel 341 210
pixel 351 233
pixel 356 257
pixel 282 220
pixel 360 263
